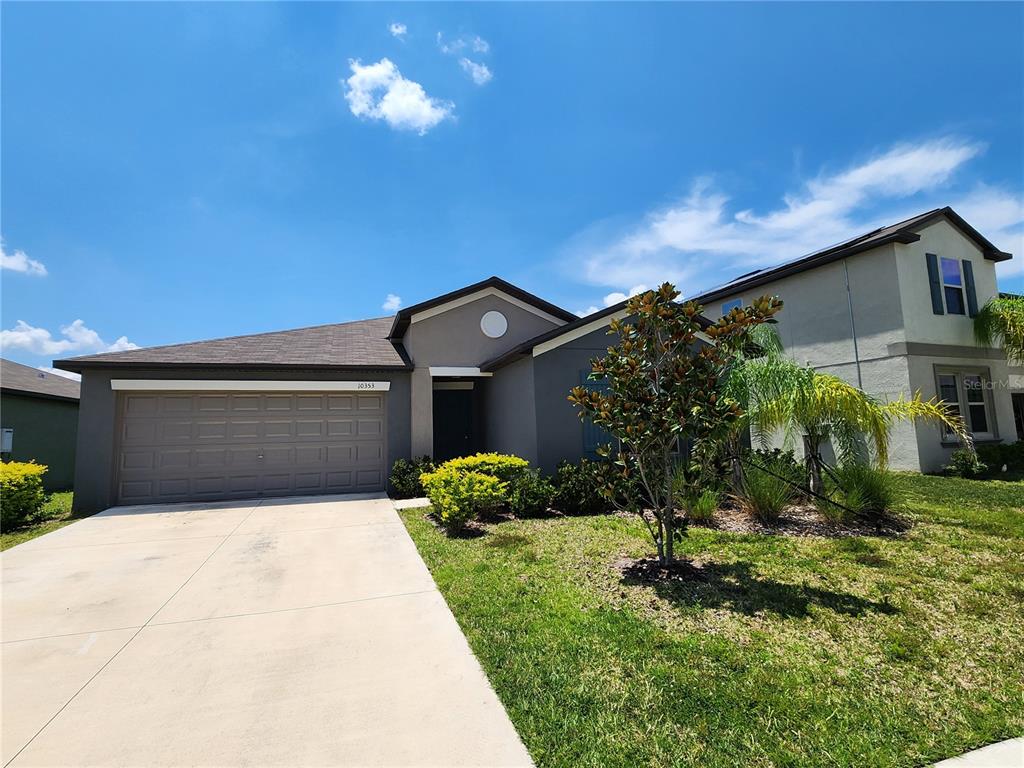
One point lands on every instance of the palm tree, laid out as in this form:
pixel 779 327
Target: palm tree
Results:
pixel 745 383
pixel 1001 321
pixel 801 401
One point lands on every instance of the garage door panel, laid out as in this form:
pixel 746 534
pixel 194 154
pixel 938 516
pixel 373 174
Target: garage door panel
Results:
pixel 176 404
pixel 305 428
pixel 139 431
pixel 142 405
pixel 246 430
pixel 369 427
pixel 138 460
pixel 340 428
pixel 176 459
pixel 177 446
pixel 217 403
pixel 277 429
pixel 245 403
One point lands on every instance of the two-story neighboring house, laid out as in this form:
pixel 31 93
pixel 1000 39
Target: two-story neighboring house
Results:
pixel 892 311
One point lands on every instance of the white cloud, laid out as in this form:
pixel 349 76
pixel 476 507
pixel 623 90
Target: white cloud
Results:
pixel 380 92
pixel 999 215
pixel 77 337
pixel 588 311
pixel 478 72
pixel 391 303
pixel 59 372
pixel 702 240
pixel 616 296
pixel 475 43
pixel 397 29
pixel 19 262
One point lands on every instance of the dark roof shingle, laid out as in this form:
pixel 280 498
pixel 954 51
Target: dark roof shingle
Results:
pixel 358 344
pixel 15 377
pixel 902 232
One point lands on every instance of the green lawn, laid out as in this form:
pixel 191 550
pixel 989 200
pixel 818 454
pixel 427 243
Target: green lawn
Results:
pixel 56 513
pixel 791 651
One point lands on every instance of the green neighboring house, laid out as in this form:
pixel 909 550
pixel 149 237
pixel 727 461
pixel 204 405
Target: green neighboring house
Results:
pixel 39 417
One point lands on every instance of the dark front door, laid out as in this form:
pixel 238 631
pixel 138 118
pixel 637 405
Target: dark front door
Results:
pixel 453 423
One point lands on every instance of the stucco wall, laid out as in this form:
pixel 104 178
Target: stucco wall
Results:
pixel 94 471
pixel 510 415
pixel 892 314
pixel 559 429
pixel 44 432
pixel 922 325
pixel 454 338
pixel 815 323
pixel 933 452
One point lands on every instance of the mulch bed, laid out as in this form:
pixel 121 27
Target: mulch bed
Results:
pixel 804 520
pixel 798 520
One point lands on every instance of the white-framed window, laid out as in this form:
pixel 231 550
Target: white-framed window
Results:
pixel 953 286
pixel 970 392
pixel 729 306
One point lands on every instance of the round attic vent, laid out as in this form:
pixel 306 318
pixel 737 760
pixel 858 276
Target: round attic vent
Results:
pixel 493 324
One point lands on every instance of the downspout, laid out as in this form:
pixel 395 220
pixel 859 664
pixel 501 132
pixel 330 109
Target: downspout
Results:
pixel 853 326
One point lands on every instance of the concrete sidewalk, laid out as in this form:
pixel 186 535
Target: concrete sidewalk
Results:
pixel 1005 754
pixel 283 632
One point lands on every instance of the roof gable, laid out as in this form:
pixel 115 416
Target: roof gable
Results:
pixel 491 286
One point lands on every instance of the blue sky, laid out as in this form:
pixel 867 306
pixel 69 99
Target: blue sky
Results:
pixel 174 172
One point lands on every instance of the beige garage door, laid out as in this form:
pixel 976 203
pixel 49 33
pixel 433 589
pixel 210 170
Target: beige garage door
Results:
pixel 179 446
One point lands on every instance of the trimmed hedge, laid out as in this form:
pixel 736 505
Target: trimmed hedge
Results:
pixel 505 468
pixel 21 492
pixel 459 495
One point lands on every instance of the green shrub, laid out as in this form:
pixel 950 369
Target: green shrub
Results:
pixel 868 491
pixel 405 477
pixel 702 509
pixel 964 462
pixel 768 485
pixel 999 455
pixel 578 488
pixel 459 495
pixel 505 468
pixel 530 494
pixel 783 463
pixel 21 492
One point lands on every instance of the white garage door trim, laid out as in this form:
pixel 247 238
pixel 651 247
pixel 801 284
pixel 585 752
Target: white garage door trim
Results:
pixel 246 385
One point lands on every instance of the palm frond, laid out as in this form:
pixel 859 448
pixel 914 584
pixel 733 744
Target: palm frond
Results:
pixel 1001 322
pixel 935 410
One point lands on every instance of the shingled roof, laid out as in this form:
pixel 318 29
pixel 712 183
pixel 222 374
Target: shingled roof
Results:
pixel 359 344
pixel 902 232
pixel 22 379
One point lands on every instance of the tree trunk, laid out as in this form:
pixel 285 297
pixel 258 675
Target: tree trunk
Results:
pixel 812 448
pixel 669 511
pixel 670 538
pixel 734 460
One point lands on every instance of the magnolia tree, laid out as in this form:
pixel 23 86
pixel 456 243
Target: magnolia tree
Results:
pixel 665 387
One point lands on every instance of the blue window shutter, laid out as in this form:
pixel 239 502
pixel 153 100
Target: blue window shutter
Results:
pixel 934 283
pixel 593 435
pixel 972 295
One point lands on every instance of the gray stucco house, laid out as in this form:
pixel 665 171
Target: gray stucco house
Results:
pixel 891 311
pixel 39 417
pixel 488 367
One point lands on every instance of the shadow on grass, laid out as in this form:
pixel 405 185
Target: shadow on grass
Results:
pixel 735 587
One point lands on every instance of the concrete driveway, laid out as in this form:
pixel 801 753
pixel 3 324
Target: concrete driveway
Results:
pixel 283 632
